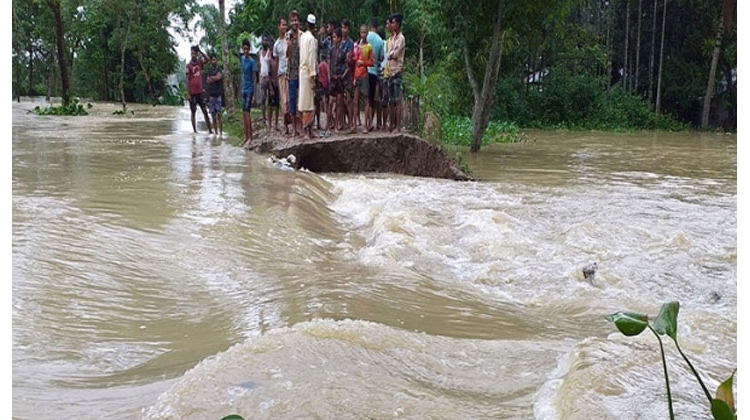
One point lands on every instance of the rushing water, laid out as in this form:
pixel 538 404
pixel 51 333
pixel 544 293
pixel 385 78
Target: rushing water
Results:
pixel 162 274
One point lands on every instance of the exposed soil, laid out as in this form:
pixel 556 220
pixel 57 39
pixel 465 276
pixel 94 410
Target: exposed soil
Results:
pixel 398 153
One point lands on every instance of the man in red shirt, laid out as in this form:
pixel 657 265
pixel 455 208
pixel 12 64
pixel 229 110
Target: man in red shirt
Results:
pixel 193 71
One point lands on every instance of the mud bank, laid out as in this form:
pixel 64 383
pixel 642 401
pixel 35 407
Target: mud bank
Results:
pixel 397 153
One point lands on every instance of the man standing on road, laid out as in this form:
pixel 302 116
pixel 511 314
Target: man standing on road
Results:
pixel 307 72
pixel 377 52
pixel 215 88
pixel 193 72
pixel 279 54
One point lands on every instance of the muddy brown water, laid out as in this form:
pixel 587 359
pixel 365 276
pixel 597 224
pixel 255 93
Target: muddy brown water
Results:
pixel 161 274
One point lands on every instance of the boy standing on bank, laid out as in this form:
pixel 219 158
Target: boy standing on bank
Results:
pixel 396 46
pixel 214 94
pixel 193 72
pixel 248 85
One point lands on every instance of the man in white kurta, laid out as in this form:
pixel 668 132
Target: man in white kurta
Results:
pixel 307 71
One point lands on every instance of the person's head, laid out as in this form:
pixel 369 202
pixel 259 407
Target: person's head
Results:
pixel 294 19
pixel 311 23
pixel 246 46
pixel 336 36
pixel 345 26
pixel 212 57
pixel 374 24
pixel 265 41
pixel 363 33
pixel 282 27
pixel 194 53
pixel 396 19
pixel 332 24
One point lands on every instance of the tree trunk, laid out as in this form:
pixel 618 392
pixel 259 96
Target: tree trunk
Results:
pixel 122 69
pixel 483 99
pixel 50 75
pixel 638 47
pixel 105 54
pixel 712 74
pixel 651 56
pixel 226 74
pixel 55 6
pixel 31 71
pixel 145 74
pixel 732 95
pixel 661 60
pixel 627 37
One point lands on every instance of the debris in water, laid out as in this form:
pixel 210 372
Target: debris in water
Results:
pixel 589 272
pixel 285 164
pixel 715 297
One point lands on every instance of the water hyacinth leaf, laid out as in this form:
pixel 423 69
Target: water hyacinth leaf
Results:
pixel 724 392
pixel 629 323
pixel 233 417
pixel 721 411
pixel 666 321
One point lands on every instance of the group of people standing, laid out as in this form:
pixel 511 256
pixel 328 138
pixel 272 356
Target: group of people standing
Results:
pixel 304 72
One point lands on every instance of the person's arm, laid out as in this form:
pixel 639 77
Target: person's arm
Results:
pixel 204 59
pixel 217 76
pixel 398 49
pixel 369 62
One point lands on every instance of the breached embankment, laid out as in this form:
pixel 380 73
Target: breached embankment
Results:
pixel 398 153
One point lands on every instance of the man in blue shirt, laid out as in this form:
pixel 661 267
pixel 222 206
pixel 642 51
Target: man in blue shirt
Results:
pixel 249 76
pixel 372 72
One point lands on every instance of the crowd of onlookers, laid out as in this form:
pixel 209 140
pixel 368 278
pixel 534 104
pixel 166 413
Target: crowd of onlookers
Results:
pixel 302 74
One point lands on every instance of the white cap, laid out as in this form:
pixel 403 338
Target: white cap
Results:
pixel 311 19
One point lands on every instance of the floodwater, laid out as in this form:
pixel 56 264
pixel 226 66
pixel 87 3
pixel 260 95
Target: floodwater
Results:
pixel 163 275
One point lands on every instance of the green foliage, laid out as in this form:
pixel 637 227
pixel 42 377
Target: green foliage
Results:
pixel 457 130
pixel 631 324
pixel 233 417
pixel 74 108
pixel 462 164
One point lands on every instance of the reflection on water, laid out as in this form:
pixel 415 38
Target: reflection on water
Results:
pixel 142 252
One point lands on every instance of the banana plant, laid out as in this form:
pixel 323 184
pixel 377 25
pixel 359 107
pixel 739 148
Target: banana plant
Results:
pixel 632 324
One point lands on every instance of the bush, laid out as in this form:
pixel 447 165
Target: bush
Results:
pixel 73 108
pixel 457 130
pixel 572 100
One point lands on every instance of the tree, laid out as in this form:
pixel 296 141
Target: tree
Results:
pixel 661 59
pixel 226 73
pixel 59 34
pixel 625 74
pixel 727 9
pixel 638 47
pixel 652 53
pixel 483 98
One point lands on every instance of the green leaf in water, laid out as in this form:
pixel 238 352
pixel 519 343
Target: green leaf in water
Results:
pixel 666 321
pixel 629 323
pixel 233 417
pixel 721 410
pixel 724 393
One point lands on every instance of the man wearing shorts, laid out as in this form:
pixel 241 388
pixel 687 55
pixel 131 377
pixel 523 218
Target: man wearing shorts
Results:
pixel 248 74
pixel 193 72
pixel 214 94
pixel 377 51
pixel 362 59
pixel 396 47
